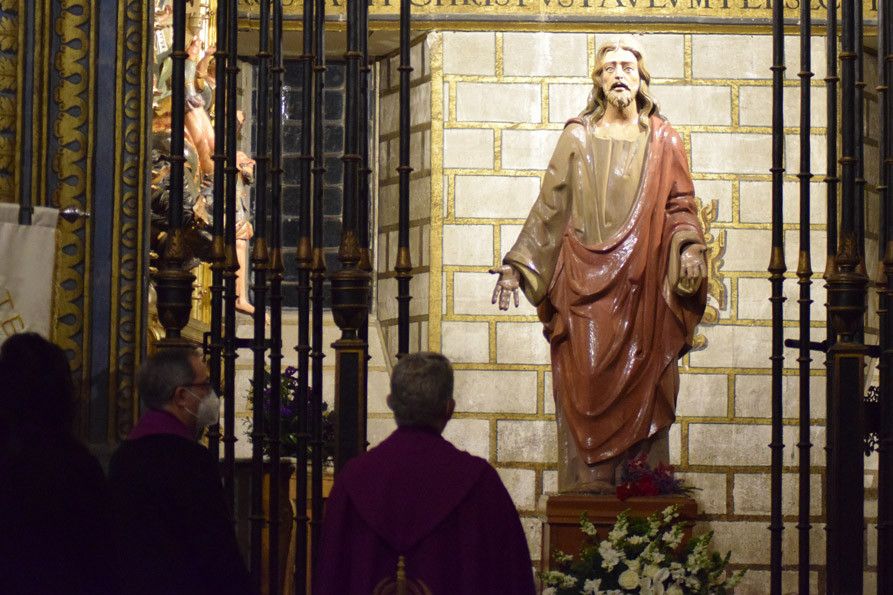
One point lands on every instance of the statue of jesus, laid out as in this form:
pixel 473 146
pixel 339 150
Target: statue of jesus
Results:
pixel 612 256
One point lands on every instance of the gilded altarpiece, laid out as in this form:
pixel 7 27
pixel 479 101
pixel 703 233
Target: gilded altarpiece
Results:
pixel 128 245
pixel 49 106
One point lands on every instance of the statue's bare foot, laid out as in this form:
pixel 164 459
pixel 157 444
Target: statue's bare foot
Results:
pixel 244 306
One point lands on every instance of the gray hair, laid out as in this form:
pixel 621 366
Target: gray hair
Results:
pixel 162 373
pixel 421 387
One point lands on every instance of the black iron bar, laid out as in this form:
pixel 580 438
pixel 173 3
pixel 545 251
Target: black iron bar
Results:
pixel 231 262
pixel 178 114
pixel 832 181
pixel 847 287
pixel 804 276
pixel 318 274
pixel 831 178
pixel 350 285
pixel 365 172
pixel 348 252
pixel 777 269
pixel 276 271
pixel 859 205
pixel 883 150
pixel 173 284
pixel 260 262
pixel 821 346
pixel 885 435
pixel 303 258
pixel 403 265
pixel 218 253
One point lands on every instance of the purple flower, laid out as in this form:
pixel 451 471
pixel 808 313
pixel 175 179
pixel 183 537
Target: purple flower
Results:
pixel 290 371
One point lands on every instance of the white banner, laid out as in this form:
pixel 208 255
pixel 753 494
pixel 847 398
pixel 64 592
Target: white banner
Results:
pixel 27 263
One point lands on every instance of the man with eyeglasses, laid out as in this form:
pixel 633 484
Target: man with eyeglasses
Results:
pixel 175 533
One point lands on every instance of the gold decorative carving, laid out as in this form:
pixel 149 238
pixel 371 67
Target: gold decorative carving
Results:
pixel 131 114
pixel 10 31
pixel 8 74
pixel 72 81
pixel 8 34
pixel 716 248
pixel 201 295
pixel 539 11
pixel 349 250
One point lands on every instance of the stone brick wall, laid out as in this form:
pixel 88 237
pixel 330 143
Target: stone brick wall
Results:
pixel 504 97
pixel 419 195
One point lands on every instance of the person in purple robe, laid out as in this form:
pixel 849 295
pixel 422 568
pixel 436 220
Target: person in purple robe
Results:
pixel 174 531
pixel 419 504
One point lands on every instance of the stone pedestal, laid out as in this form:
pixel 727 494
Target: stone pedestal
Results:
pixel 561 530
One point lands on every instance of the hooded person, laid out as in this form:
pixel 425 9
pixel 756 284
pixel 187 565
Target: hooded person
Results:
pixel 174 530
pixel 417 502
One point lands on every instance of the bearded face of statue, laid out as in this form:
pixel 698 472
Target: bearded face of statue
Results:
pixel 620 77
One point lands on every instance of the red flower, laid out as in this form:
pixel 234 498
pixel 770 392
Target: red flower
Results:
pixel 646 486
pixel 624 491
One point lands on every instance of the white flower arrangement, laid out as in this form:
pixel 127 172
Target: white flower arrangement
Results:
pixel 641 556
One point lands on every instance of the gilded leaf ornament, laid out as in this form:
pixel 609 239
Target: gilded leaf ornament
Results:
pixel 7 152
pixel 10 28
pixel 9 34
pixel 7 113
pixel 8 74
pixel 7 185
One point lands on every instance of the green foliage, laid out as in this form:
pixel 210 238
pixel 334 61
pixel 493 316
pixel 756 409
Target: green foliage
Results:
pixel 646 556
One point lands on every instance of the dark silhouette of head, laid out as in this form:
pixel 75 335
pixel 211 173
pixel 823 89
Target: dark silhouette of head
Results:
pixel 36 383
pixel 422 391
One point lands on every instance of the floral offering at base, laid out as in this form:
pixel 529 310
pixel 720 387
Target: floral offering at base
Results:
pixel 646 556
pixel 638 479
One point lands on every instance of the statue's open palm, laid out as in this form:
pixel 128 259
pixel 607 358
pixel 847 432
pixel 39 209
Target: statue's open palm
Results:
pixel 507 285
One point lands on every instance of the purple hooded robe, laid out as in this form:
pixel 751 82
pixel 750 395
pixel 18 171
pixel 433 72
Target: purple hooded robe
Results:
pixel 445 511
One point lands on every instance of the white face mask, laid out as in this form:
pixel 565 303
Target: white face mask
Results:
pixel 208 412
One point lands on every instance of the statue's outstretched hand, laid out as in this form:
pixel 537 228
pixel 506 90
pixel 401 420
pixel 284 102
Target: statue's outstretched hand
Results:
pixel 692 268
pixel 507 286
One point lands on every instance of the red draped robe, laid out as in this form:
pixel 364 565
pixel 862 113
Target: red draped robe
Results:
pixel 611 311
